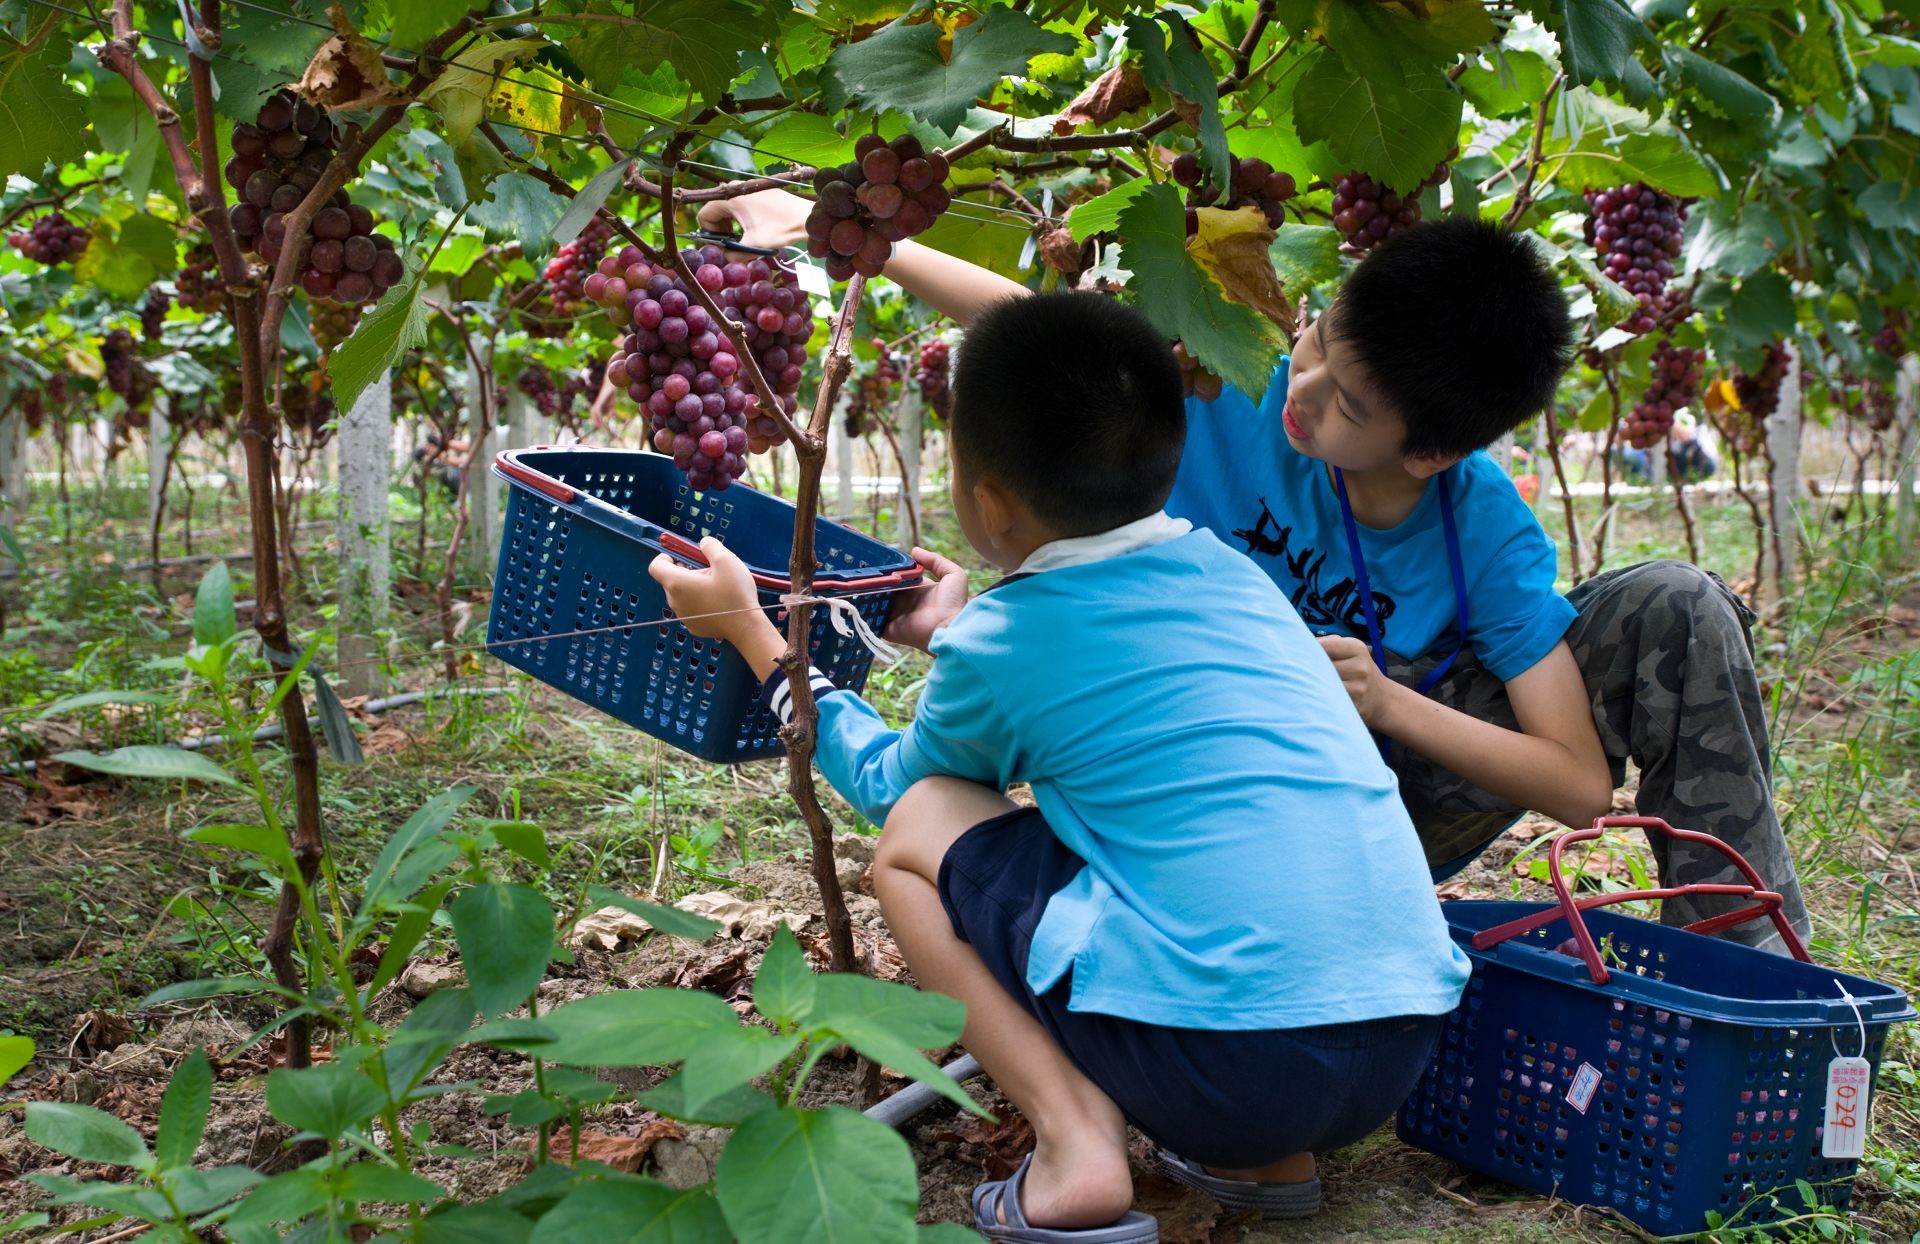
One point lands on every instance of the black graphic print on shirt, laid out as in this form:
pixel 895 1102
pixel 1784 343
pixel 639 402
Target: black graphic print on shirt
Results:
pixel 1319 605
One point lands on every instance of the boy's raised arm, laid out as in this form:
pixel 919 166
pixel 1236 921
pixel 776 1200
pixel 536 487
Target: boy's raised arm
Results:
pixel 953 287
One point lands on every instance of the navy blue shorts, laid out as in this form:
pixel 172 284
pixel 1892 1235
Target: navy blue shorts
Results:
pixel 1230 1100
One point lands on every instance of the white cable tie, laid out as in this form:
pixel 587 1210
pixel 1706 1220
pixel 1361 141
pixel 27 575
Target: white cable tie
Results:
pixel 1858 1016
pixel 848 623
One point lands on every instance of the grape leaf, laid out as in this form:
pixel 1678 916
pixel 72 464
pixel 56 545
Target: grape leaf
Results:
pixel 701 39
pixel 1658 157
pixel 1185 73
pixel 1232 247
pixel 1304 256
pixel 1761 310
pixel 522 207
pixel 1513 84
pixel 1232 341
pixel 1724 91
pixel 142 253
pixel 460 93
pixel 1736 239
pixel 1102 215
pixel 1379 39
pixel 1892 206
pixel 397 323
pixel 981 237
pixel 805 138
pixel 1598 40
pixel 41 119
pixel 540 102
pixel 414 22
pixel 1392 128
pixel 900 66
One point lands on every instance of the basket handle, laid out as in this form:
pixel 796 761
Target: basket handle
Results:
pixel 687 550
pixel 507 463
pixel 1766 902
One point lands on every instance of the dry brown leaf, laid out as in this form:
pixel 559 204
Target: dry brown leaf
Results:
pixel 96 1032
pixel 385 741
pixel 742 918
pixel 1060 252
pixel 729 975
pixel 1452 890
pixel 1005 1141
pixel 879 956
pixel 53 799
pixel 1232 247
pixel 622 1153
pixel 1120 89
pixel 608 929
pixel 347 72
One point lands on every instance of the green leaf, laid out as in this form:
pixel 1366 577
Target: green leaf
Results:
pixel 806 138
pixel 42 121
pixel 1395 128
pixel 1382 39
pixel 1741 247
pixel 1305 256
pixel 1102 215
pixel 946 1233
pixel 817 1177
pixel 729 1109
pixel 397 323
pixel 1598 40
pixel 666 919
pixel 506 941
pixel 783 987
pixel 891 1024
pixel 407 932
pixel 1726 92
pixel 1185 72
pixel 1235 342
pixel 284 1198
pixel 443 1019
pixel 628 1210
pixel 523 838
pixel 196 1191
pixel 183 1111
pixel 701 39
pixel 1515 83
pixel 85 1133
pixel 474 1224
pixel 94 699
pixel 213 987
pixel 328 1100
pixel 140 253
pixel 149 761
pixel 372 1181
pixel 413 23
pixel 899 67
pixel 459 93
pixel 15 1054
pixel 427 820
pixel 213 616
pixel 1616 148
pixel 635 1027
pixel 1891 205
pixel 521 207
pixel 1761 310
pixel 269 844
pixel 588 201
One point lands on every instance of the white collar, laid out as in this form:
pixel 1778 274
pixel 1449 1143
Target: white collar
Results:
pixel 1155 528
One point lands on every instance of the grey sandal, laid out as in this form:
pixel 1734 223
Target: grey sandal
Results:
pixel 1301 1200
pixel 1000 1199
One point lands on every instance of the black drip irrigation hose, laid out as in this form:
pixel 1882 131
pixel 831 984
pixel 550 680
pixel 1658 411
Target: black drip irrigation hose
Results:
pixel 914 1100
pixel 275 730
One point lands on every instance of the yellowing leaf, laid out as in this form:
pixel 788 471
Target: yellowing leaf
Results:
pixel 460 93
pixel 538 100
pixel 347 72
pixel 1232 247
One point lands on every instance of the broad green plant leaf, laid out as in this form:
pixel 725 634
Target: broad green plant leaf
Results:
pixel 460 93
pixel 1761 310
pixel 150 761
pixel 946 1233
pixel 1102 215
pixel 427 820
pixel 1305 256
pixel 1891 205
pixel 1236 343
pixel 522 207
pixel 666 919
pixel 15 1054
pixel 183 1111
pixel 260 840
pixel 783 988
pixel 1725 91
pixel 523 838
pixel 634 1027
pixel 397 323
pixel 94 699
pixel 891 1024
pixel 817 1177
pixel 730 1109
pixel 1513 84
pixel 214 622
pixel 1381 39
pixel 899 67
pixel 413 23
pixel 284 1198
pixel 806 138
pixel 1392 127
pixel 505 933
pixel 139 252
pixel 407 932
pixel 1599 40
pixel 443 1019
pixel 1185 72
pixel 701 40
pixel 372 1181
pixel 42 121
pixel 85 1133
pixel 629 1210
pixel 329 1100
pixel 588 201
pixel 474 1224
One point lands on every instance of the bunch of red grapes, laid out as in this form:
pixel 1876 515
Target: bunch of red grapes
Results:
pixel 332 323
pixel 1255 184
pixel 893 191
pixel 1367 213
pixel 933 378
pixel 536 381
pixel 872 391
pixel 1195 379
pixel 1759 393
pixel 1637 232
pixel 276 161
pixel 197 285
pixel 1890 340
pixel 1675 385
pixel 570 266
pixel 52 239
pixel 681 366
pixel 153 313
pixel 125 375
pixel 33 408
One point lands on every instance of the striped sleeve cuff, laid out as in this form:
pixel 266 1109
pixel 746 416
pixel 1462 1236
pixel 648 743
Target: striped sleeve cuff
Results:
pixel 778 696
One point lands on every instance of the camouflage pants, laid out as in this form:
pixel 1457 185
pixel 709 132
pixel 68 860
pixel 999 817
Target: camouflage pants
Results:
pixel 1668 658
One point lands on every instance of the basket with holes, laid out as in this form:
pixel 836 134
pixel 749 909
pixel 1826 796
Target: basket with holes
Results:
pixel 1676 1079
pixel 580 527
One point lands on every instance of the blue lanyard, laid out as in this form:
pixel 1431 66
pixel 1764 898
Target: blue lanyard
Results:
pixel 1366 591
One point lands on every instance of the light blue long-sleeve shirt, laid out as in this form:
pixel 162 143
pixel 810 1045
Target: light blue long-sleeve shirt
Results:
pixel 1249 864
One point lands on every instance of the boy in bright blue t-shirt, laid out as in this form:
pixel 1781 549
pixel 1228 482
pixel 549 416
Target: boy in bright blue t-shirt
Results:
pixel 1216 924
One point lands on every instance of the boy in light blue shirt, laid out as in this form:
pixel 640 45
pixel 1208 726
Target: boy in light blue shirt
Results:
pixel 1216 924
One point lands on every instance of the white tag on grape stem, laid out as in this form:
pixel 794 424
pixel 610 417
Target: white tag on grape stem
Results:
pixel 813 279
pixel 1848 1083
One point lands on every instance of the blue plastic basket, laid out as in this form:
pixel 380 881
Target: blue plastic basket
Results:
pixel 581 526
pixel 1686 1079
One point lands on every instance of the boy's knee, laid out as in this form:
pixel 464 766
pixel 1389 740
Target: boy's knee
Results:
pixel 925 821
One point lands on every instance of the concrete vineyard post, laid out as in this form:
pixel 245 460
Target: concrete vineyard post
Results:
pixel 1783 482
pixel 1906 395
pixel 13 466
pixel 364 447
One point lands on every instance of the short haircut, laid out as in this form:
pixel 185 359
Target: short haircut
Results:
pixel 1461 327
pixel 1072 402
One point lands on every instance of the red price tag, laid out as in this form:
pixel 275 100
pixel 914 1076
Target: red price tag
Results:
pixel 1848 1083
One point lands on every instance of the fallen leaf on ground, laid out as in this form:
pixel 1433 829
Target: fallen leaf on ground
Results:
pixel 730 975
pixel 1005 1141
pixel 95 1032
pixel 622 1153
pixel 747 920
pixel 609 929
pixel 879 956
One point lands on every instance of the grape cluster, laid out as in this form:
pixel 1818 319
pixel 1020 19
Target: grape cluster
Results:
pixel 1891 339
pixel 1675 385
pixel 153 313
pixel 1195 379
pixel 125 375
pixel 197 285
pixel 1759 393
pixel 872 391
pixel 1367 213
pixel 893 191
pixel 1255 184
pixel 932 376
pixel 681 366
pixel 306 406
pixel 276 161
pixel 536 381
pixel 33 409
pixel 332 323
pixel 1637 232
pixel 573 263
pixel 52 239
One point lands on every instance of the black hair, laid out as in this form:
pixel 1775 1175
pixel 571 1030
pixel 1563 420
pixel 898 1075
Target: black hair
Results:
pixel 1072 402
pixel 1461 327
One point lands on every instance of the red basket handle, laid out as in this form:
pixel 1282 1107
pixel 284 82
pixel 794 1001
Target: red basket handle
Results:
pixel 682 547
pixel 539 481
pixel 1767 902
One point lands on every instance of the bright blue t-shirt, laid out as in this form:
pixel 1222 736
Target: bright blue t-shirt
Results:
pixel 1249 864
pixel 1241 478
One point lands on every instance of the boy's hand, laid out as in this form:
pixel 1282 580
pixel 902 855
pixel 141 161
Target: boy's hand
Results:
pixel 770 218
pixel 931 607
pixel 1369 689
pixel 720 602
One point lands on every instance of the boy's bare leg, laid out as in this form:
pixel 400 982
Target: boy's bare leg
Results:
pixel 1079 1176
